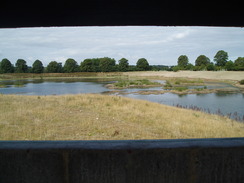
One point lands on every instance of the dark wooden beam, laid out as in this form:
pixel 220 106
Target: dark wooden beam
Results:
pixel 120 13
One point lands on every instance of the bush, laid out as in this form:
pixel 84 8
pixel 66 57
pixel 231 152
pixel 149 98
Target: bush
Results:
pixel 176 68
pixel 167 85
pixel 210 67
pixel 180 88
pixel 129 83
pixel 242 82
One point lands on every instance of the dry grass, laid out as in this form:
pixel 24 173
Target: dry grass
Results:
pixel 60 75
pixel 215 75
pixel 101 117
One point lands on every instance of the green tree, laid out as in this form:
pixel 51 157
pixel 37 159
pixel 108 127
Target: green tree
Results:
pixel 176 68
pixel 37 67
pixel 54 67
pixel 87 66
pixel 239 63
pixel 221 58
pixel 96 63
pixel 71 66
pixel 202 60
pixel 21 66
pixel 142 64
pixel 230 66
pixel 6 66
pixel 189 67
pixel 210 67
pixel 183 61
pixel 123 65
pixel 107 64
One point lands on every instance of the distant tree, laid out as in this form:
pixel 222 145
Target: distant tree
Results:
pixel 221 58
pixel 176 68
pixel 6 66
pixel 202 60
pixel 96 64
pixel 142 64
pixel 189 66
pixel 239 61
pixel 107 64
pixel 123 65
pixel 132 68
pixel 210 67
pixel 54 67
pixel 230 66
pixel 87 66
pixel 71 66
pixel 37 67
pixel 183 61
pixel 21 66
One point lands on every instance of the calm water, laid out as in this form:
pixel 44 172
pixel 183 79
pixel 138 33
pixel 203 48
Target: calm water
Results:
pixel 54 87
pixel 225 103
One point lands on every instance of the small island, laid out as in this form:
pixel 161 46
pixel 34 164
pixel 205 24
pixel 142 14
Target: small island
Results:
pixel 144 83
pixel 180 86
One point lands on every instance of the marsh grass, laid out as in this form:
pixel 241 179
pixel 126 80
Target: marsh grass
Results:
pixel 102 117
pixel 2 85
pixel 135 83
pixel 178 81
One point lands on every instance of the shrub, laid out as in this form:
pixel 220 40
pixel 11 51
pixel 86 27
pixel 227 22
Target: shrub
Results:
pixel 123 84
pixel 176 68
pixel 210 67
pixel 177 82
pixel 242 82
pixel 167 85
pixel 180 88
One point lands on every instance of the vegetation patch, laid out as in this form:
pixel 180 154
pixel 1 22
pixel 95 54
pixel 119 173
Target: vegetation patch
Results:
pixel 201 89
pixel 242 82
pixel 180 88
pixel 2 85
pixel 134 84
pixel 168 85
pixel 181 85
pixel 178 81
pixel 19 84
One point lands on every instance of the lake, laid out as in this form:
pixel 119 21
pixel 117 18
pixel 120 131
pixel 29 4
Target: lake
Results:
pixel 231 104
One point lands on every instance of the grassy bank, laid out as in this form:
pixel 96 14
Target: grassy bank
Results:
pixel 16 76
pixel 213 75
pixel 100 117
pixel 143 83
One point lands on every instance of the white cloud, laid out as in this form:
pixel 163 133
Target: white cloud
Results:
pixel 160 45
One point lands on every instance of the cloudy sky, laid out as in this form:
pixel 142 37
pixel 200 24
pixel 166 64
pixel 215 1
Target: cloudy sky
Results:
pixel 159 45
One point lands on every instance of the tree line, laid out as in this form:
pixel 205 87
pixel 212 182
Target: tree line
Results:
pixel 107 64
pixel 104 64
pixel 220 62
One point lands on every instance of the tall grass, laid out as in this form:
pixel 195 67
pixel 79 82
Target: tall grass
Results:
pixel 135 83
pixel 230 115
pixel 101 117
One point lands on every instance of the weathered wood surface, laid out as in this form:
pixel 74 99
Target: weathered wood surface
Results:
pixel 192 160
pixel 120 12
